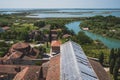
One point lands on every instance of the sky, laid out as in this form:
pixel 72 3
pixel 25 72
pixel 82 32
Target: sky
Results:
pixel 59 3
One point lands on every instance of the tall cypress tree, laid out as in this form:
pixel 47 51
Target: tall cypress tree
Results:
pixel 115 73
pixel 118 53
pixel 112 55
pixel 112 63
pixel 101 58
pixel 50 36
pixel 116 68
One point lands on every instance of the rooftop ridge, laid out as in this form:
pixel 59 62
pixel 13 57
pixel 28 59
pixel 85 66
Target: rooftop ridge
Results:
pixel 85 56
pixel 74 64
pixel 70 42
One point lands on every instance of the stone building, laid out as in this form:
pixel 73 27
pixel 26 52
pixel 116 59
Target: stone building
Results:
pixel 20 51
pixel 73 64
pixel 70 64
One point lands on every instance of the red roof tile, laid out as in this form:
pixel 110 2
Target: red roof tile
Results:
pixel 55 43
pixel 10 69
pixel 21 74
pixel 54 68
pixel 20 45
pixel 45 69
pixel 33 73
pixel 21 50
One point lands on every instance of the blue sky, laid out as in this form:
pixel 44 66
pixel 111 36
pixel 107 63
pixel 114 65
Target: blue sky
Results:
pixel 59 3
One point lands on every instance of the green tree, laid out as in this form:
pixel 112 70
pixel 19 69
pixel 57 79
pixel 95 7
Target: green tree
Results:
pixel 83 39
pixel 112 63
pixel 101 58
pixel 112 55
pixel 116 68
pixel 39 24
pixel 3 24
pixel 50 35
pixel 115 73
pixel 118 53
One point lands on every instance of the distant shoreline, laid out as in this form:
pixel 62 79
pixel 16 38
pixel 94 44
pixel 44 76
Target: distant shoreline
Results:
pixel 59 8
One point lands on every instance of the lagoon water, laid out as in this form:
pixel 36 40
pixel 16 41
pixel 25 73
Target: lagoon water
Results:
pixel 109 42
pixel 63 13
pixel 74 26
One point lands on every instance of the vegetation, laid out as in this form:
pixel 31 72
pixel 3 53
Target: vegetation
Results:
pixel 107 26
pixel 17 32
pixel 39 24
pixel 92 48
pixel 82 38
pixel 112 63
pixel 116 69
pixel 21 27
pixel 114 60
pixel 101 58
pixel 4 47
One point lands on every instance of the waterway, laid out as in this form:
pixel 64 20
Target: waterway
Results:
pixel 72 13
pixel 62 13
pixel 109 42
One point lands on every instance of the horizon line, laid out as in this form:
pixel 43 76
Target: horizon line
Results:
pixel 59 8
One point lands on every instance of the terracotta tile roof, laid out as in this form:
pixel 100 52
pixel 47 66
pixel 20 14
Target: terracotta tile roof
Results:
pixel 10 69
pixel 15 55
pixel 20 45
pixel 55 43
pixel 24 73
pixel 99 70
pixel 21 51
pixel 20 75
pixel 32 73
pixel 54 68
pixel 45 69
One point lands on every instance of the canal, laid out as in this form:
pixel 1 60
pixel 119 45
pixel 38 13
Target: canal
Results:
pixel 109 42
